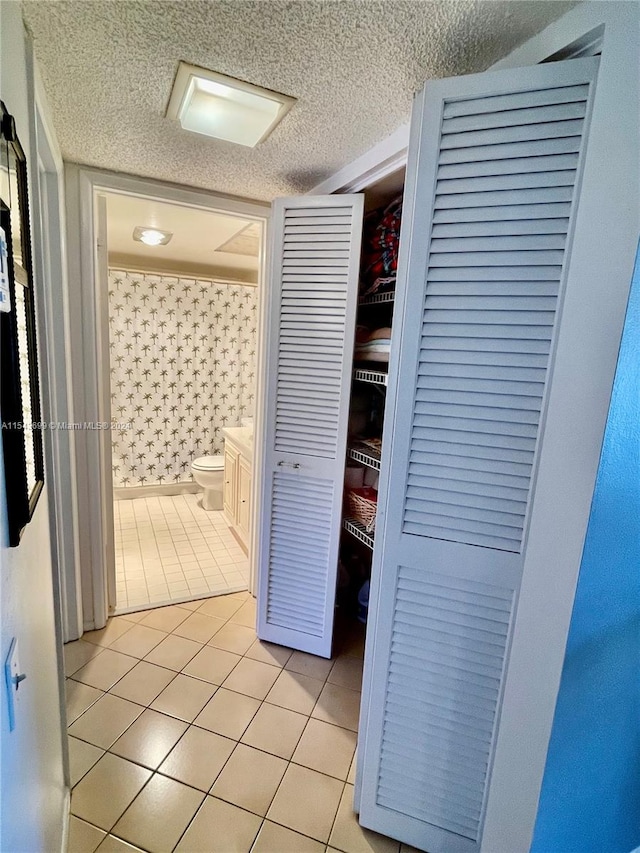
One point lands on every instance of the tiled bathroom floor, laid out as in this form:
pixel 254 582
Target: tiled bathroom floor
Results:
pixel 169 549
pixel 187 733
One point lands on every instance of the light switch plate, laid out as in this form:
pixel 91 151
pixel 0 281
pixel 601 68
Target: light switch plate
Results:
pixel 13 679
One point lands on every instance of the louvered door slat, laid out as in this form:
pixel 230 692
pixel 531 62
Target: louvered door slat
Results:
pixel 533 272
pixel 514 166
pixel 514 134
pixel 498 385
pixel 509 151
pixel 520 116
pixel 318 239
pixel 497 243
pixel 479 294
pixel 483 371
pixel 472 476
pixel 445 344
pixel 495 229
pixel 297 229
pixel 333 214
pixel 454 460
pixel 509 212
pixel 505 444
pixel 515 181
pixel 315 279
pixel 517 100
pixel 498 198
pixel 526 257
pixel 315 255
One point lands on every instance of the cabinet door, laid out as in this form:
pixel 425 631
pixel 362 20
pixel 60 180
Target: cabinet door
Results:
pixel 315 257
pixel 494 184
pixel 243 517
pixel 230 483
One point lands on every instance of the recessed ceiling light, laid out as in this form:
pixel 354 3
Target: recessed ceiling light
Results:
pixel 151 236
pixel 225 108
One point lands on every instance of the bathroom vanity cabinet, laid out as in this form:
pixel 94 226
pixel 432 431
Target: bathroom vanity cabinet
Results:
pixel 238 455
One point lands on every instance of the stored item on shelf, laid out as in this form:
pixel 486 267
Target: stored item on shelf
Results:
pixel 362 506
pixel 380 356
pixel 373 344
pixel 354 476
pixel 373 443
pixel 380 248
pixel 371 478
pixel 363 602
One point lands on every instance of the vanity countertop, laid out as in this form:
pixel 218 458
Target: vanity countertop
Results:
pixel 241 438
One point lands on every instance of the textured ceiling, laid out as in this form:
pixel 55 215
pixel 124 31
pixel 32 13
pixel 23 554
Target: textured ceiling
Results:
pixel 353 65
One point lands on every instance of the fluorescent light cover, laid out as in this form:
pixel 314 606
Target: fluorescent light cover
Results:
pixel 215 105
pixel 151 236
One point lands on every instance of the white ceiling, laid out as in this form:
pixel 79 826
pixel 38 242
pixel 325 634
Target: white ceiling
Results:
pixel 353 65
pixel 202 242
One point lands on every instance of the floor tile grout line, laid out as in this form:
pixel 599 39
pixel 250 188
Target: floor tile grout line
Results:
pixel 282 669
pixel 228 620
pixel 104 692
pixel 206 794
pixel 198 678
pixel 183 515
pixel 194 723
pixel 129 805
pixel 335 817
pixel 238 741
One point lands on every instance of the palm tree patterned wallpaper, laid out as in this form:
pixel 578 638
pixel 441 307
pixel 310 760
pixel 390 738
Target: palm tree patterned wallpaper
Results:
pixel 182 368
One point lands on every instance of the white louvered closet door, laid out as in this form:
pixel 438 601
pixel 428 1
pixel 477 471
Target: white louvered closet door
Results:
pixel 492 197
pixel 315 259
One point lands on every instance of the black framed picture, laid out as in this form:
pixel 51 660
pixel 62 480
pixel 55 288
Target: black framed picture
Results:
pixel 20 389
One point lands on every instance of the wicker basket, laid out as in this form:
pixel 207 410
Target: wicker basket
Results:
pixel 362 506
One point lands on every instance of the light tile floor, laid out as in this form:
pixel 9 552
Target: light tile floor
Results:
pixel 169 549
pixel 188 734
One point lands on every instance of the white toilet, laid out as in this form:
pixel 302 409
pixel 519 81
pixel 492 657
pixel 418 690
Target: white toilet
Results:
pixel 208 472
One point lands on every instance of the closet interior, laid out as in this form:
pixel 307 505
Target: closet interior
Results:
pixel 374 325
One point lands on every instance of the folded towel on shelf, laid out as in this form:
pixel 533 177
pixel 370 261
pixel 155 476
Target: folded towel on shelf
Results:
pixel 365 335
pixel 372 355
pixel 374 346
pixel 380 334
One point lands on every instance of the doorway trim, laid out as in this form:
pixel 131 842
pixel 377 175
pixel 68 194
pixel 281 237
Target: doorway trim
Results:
pixel 89 330
pixel 48 224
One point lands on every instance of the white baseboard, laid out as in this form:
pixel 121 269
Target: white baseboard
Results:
pixel 128 493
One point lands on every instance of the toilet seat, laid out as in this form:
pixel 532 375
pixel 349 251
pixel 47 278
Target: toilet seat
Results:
pixel 208 463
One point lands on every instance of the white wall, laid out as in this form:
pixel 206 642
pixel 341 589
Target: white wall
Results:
pixel 32 779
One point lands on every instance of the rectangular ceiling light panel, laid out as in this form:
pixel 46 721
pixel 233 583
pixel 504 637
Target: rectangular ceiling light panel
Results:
pixel 225 108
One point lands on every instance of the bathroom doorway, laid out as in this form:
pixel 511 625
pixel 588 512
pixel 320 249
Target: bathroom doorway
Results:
pixel 182 296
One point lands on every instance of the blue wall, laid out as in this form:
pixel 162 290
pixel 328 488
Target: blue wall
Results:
pixel 590 798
